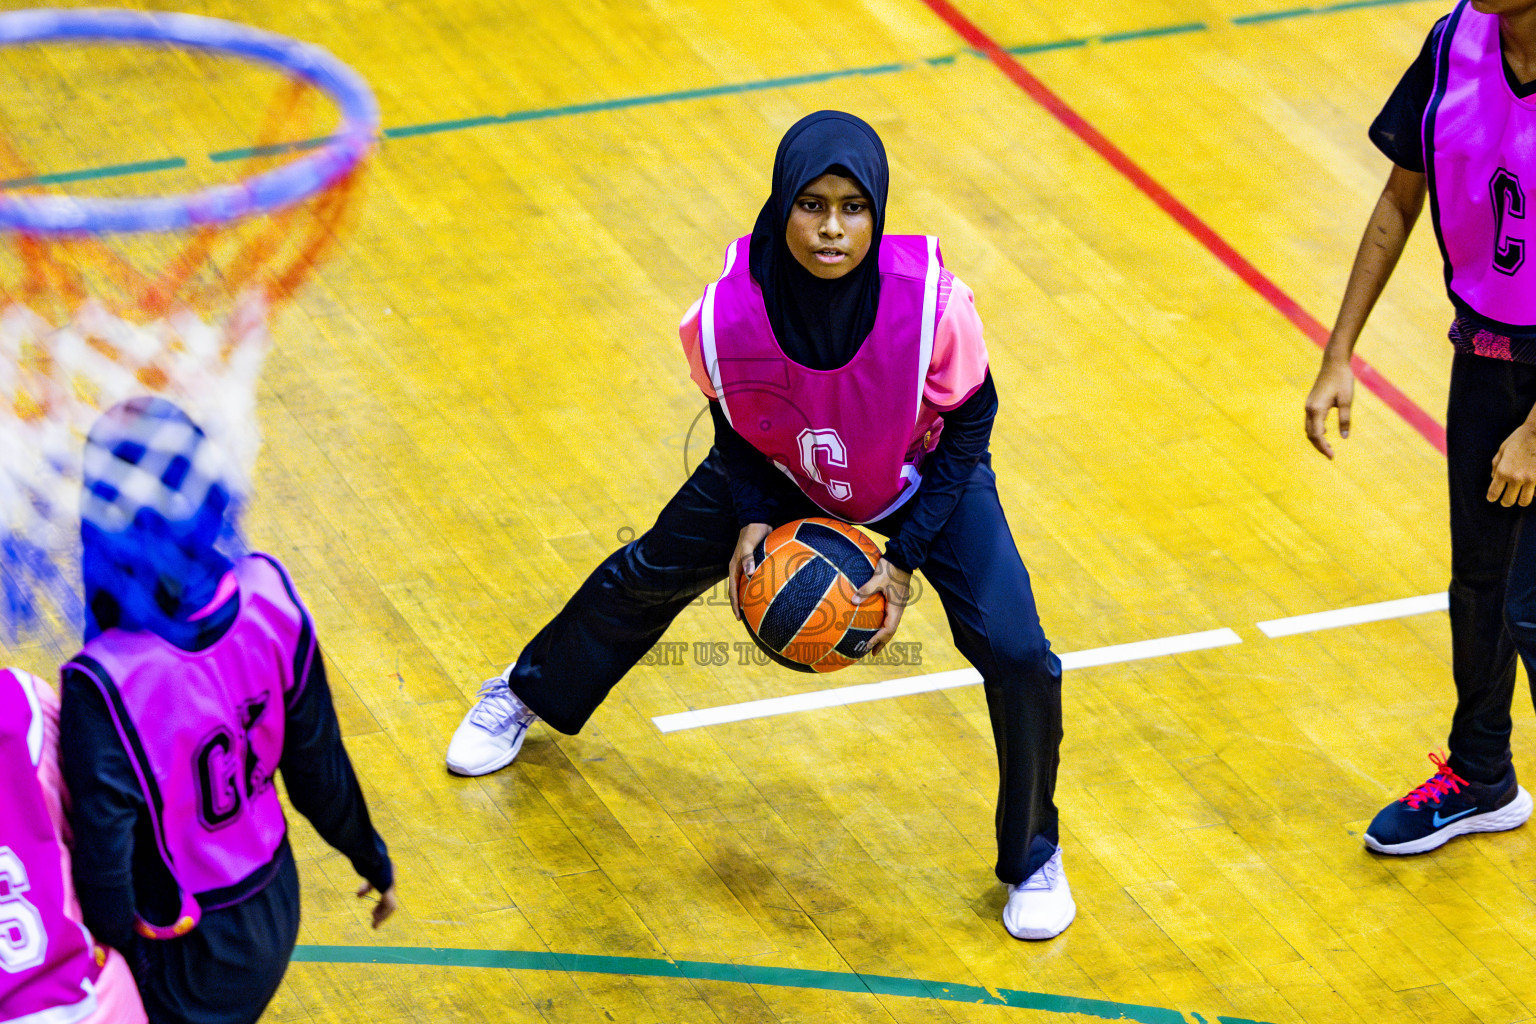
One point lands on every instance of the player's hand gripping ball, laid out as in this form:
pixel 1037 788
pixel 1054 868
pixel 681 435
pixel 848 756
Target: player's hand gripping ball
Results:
pixel 798 601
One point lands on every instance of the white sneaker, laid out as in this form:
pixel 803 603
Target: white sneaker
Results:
pixel 1042 907
pixel 492 733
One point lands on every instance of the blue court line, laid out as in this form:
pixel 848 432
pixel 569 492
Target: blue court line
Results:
pixel 707 92
pixel 744 974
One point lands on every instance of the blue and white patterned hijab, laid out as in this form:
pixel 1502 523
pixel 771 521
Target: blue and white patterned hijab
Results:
pixel 156 521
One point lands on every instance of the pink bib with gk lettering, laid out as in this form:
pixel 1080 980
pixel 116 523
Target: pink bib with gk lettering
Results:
pixel 1480 158
pixel 48 963
pixel 843 435
pixel 204 730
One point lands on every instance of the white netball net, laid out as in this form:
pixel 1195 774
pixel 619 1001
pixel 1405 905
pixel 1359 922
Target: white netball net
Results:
pixel 55 380
pixel 108 293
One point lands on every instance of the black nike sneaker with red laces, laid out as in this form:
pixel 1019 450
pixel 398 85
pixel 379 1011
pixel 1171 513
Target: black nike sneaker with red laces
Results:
pixel 1447 806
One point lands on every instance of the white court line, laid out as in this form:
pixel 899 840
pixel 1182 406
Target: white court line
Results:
pixel 1356 615
pixel 1181 644
pixel 935 681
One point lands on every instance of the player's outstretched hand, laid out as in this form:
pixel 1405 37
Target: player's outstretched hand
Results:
pixel 1334 388
pixel 741 560
pixel 896 585
pixel 386 906
pixel 1514 468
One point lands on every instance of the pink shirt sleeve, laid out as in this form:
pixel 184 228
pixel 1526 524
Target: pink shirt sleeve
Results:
pixel 688 331
pixel 117 997
pixel 959 362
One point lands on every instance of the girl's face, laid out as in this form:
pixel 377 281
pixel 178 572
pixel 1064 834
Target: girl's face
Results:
pixel 831 225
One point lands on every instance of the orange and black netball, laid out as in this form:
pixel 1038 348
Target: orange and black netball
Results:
pixel 798 602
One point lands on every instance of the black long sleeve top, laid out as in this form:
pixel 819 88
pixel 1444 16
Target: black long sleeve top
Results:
pixel 117 868
pixel 758 490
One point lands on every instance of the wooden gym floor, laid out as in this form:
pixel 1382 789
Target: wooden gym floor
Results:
pixel 482 394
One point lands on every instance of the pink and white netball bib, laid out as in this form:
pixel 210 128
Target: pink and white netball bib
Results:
pixel 1480 157
pixel 204 731
pixel 48 962
pixel 844 435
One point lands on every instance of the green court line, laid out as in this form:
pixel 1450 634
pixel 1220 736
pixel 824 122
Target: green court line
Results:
pixel 598 106
pixel 1258 19
pixel 442 126
pixel 707 92
pixel 116 170
pixel 1058 44
pixel 274 150
pixel 1151 33
pixel 1304 12
pixel 1352 5
pixel 736 88
pixel 742 974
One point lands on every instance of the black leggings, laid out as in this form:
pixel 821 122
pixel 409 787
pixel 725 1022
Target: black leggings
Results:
pixel 1493 563
pixel 628 602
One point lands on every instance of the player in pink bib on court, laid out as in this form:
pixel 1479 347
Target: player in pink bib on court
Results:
pixel 847 376
pixel 200 678
pixel 51 970
pixel 1460 128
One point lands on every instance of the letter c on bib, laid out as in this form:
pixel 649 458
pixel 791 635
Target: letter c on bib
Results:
pixel 1508 204
pixel 825 440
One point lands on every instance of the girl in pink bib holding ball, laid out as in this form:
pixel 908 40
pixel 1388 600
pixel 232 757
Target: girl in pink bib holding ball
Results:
pixel 846 375
pixel 1461 129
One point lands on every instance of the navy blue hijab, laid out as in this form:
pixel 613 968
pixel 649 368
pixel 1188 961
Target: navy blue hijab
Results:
pixel 820 323
pixel 154 513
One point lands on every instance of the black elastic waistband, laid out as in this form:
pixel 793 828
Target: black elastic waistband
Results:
pixel 250 885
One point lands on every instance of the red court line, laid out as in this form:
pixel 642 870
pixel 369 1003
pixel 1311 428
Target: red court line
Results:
pixel 1288 307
